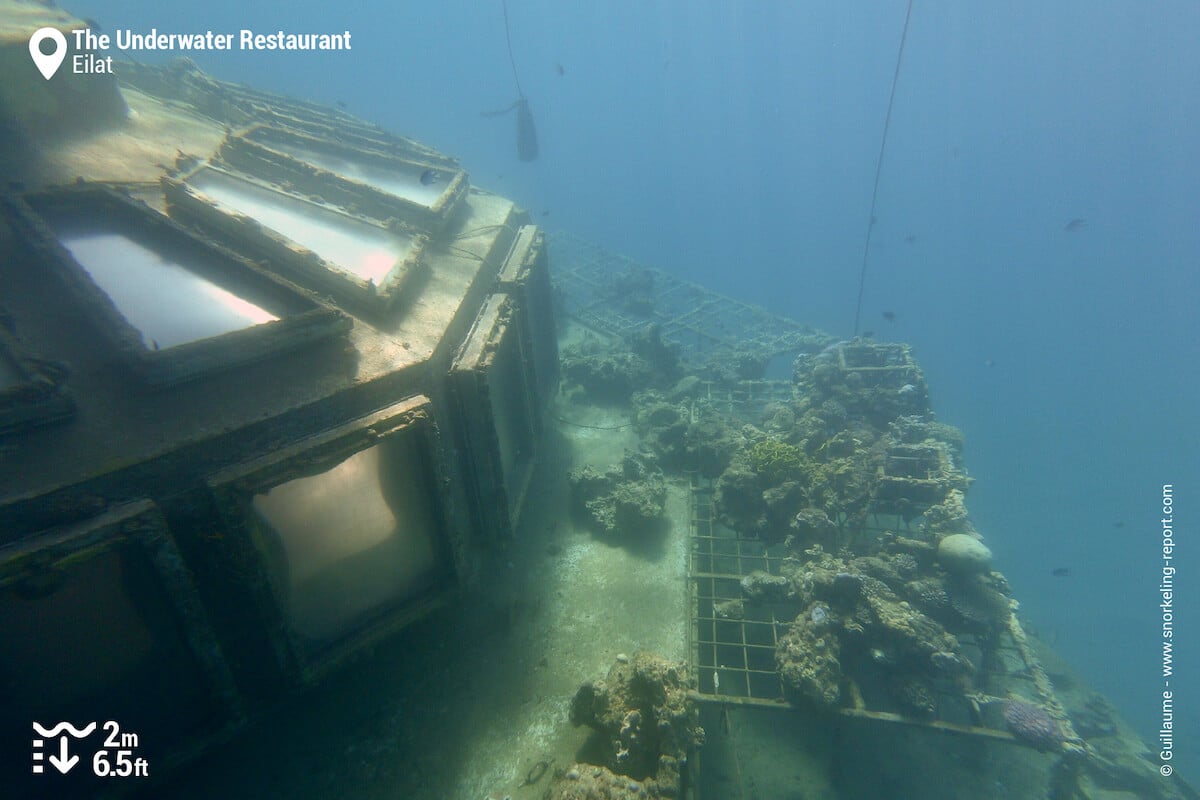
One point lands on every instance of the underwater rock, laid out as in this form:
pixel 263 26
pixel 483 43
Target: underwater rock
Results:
pixel 963 554
pixel 841 445
pixel 645 713
pixel 622 500
pixel 809 663
pixel 778 418
pixel 605 374
pixel 871 617
pixel 781 503
pixel 920 640
pixel 906 565
pixel 663 428
pixel 663 357
pixel 729 365
pixel 1097 718
pixel 761 586
pixel 847 589
pixel 776 460
pixel 854 623
pixel 920 428
pixel 874 382
pixel 730 609
pixel 685 436
pixel 813 577
pixel 738 497
pixel 949 515
pixel 913 694
pixel 850 611
pixel 930 595
pixel 633 290
pixel 979 606
pixel 950 664
pixel 771 480
pixel 881 568
pixel 812 525
pixel 711 443
pixel 589 782
pixel 1033 725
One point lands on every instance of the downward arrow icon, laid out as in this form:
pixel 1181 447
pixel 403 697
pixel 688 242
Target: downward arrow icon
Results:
pixel 64 760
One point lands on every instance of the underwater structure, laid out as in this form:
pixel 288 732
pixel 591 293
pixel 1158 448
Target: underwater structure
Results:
pixel 832 565
pixel 278 386
pixel 270 378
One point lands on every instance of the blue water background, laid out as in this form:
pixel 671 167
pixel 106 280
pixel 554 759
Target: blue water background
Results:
pixel 735 144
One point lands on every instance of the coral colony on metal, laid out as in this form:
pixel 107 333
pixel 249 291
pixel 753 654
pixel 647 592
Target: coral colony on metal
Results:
pixel 1032 724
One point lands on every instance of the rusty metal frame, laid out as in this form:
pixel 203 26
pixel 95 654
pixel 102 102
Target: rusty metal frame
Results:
pixel 234 487
pixel 734 658
pixel 690 315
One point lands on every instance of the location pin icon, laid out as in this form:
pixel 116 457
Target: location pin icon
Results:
pixel 48 64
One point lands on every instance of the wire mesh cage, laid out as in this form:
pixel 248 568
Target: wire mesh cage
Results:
pixel 617 296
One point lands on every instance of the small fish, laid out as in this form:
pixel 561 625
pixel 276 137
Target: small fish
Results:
pixel 429 177
pixel 1076 225
pixel 1061 572
pixel 558 69
pixel 1119 523
pixel 910 239
pixel 987 362
pixel 341 103
pixel 546 213
pixel 890 316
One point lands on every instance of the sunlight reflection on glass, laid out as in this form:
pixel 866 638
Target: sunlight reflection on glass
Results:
pixel 367 251
pixel 165 300
pixel 393 181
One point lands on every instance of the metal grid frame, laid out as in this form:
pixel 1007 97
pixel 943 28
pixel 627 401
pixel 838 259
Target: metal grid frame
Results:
pixel 734 658
pixel 733 654
pixel 744 401
pixel 695 318
pixel 740 652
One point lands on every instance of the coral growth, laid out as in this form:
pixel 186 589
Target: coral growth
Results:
pixel 644 712
pixel 877 616
pixel 808 659
pixel 964 554
pixel 686 434
pixel 1033 725
pixel 761 586
pixel 776 460
pixel 821 466
pixel 624 500
pixel 589 782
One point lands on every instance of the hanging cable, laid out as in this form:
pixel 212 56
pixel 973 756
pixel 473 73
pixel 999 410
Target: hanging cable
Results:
pixel 887 122
pixel 508 38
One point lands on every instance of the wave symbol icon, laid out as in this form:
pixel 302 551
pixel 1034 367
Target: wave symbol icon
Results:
pixel 65 726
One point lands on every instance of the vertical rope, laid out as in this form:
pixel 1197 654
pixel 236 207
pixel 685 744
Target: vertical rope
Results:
pixel 508 38
pixel 887 122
